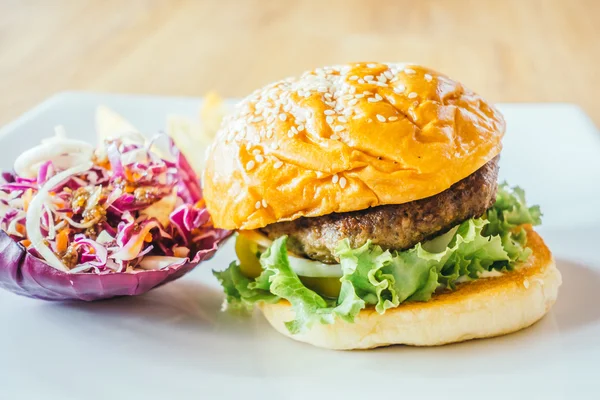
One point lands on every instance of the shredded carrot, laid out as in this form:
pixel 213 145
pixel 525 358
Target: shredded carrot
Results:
pixel 62 240
pixel 27 198
pixel 26 242
pixel 148 237
pixel 20 228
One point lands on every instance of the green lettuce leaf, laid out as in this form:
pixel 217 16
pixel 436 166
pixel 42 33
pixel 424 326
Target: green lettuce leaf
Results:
pixel 384 279
pixel 510 211
pixel 308 306
pixel 241 292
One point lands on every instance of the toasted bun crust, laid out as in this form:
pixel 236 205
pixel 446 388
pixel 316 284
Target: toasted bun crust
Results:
pixel 478 309
pixel 345 138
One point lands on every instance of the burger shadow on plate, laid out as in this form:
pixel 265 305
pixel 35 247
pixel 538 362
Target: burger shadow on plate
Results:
pixel 541 343
pixel 578 296
pixel 187 310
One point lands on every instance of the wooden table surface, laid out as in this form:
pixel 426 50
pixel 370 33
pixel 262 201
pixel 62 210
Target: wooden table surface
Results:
pixel 508 51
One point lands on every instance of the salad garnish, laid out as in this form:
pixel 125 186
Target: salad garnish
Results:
pixel 129 205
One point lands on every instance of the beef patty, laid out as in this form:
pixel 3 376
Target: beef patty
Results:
pixel 393 226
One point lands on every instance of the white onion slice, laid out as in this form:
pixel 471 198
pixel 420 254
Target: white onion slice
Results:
pixel 63 152
pixel 301 266
pixel 104 237
pixel 34 215
pixel 160 262
pixel 314 269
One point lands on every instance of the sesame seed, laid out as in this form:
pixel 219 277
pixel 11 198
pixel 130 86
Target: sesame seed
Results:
pixel 274 146
pixel 400 89
pixel 334 137
pixel 378 96
pixel 428 77
pixel 409 71
pixel 300 128
pixel 381 78
pixel 290 134
pixel 353 78
pixel 371 65
pixel 257 119
pixel 329 119
pixel 282 116
pixel 250 165
pixel 372 100
pixel 339 128
pixel 277 165
pixel 381 118
pixel 392 118
pixel 361 81
pixel 526 284
pixel 269 134
pixel 256 151
pixel 357 116
pixel 294 130
pixel 388 74
pixel 341 118
pixel 392 100
pixel 257 205
pixel 366 92
pixel 342 182
pixel 329 112
pixel 327 95
pixel 322 89
pixel 259 158
pixel 369 77
pixel 353 102
pixel 335 178
pixel 359 96
pixel 270 119
pixel 412 95
pixel 264 203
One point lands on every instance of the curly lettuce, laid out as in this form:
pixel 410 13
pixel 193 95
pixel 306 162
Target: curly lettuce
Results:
pixel 384 279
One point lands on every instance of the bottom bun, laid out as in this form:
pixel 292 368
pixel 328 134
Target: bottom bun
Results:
pixel 478 309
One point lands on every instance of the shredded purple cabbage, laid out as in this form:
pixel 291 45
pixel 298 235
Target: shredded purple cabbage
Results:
pixel 130 204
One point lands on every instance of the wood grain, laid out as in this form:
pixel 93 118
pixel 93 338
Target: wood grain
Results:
pixel 536 50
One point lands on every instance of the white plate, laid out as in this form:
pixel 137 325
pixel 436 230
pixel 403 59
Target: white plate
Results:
pixel 174 342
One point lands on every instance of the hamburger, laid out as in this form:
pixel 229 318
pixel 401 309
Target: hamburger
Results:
pixel 368 212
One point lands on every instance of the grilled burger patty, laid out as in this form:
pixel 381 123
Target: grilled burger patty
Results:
pixel 394 226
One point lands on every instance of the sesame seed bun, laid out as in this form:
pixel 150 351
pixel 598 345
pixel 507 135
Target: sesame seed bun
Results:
pixel 482 308
pixel 346 138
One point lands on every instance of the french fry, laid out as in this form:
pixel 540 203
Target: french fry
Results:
pixel 109 124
